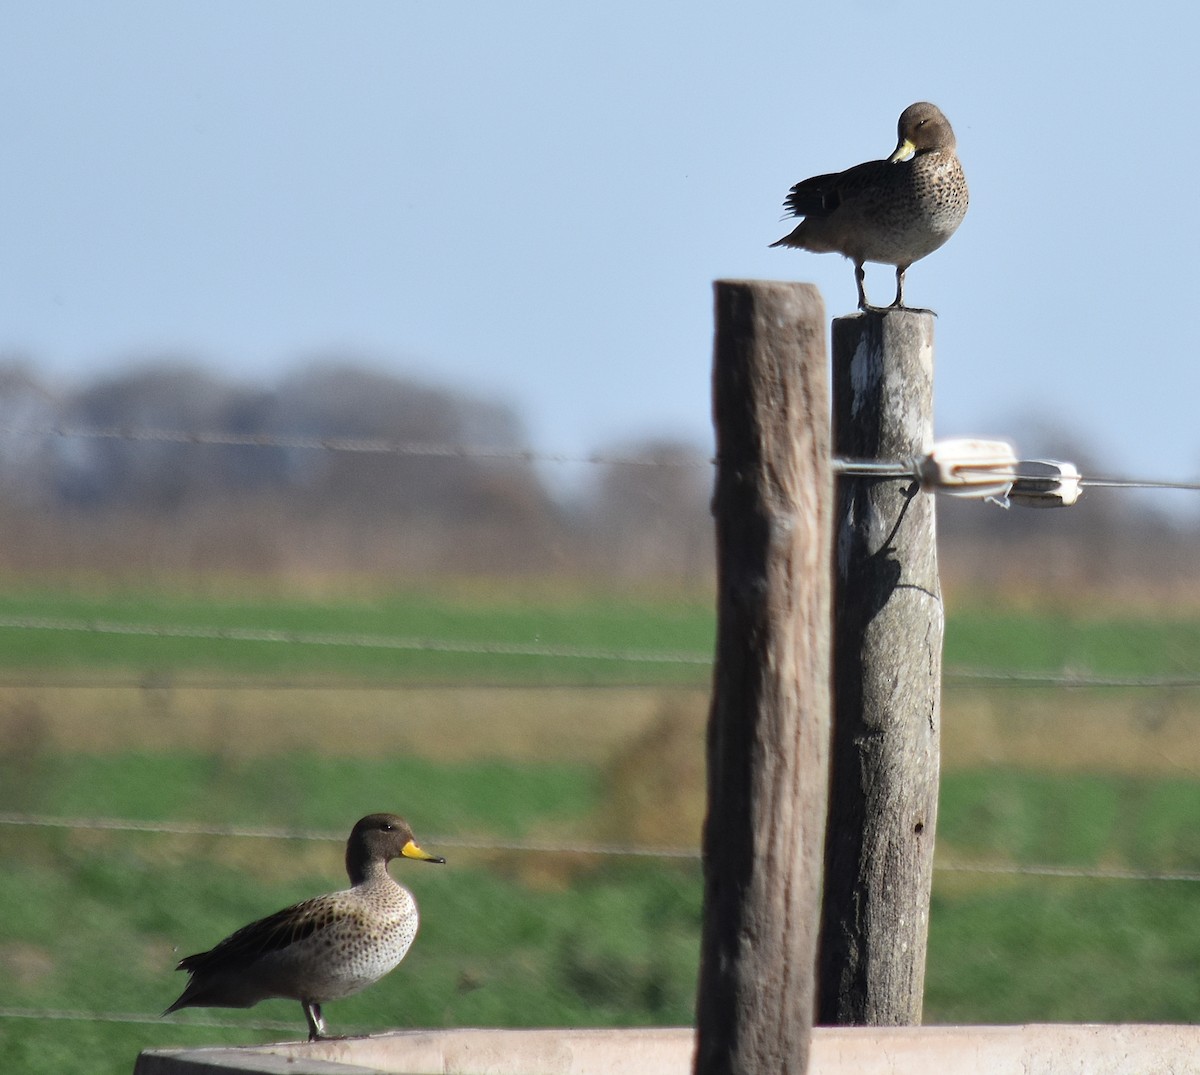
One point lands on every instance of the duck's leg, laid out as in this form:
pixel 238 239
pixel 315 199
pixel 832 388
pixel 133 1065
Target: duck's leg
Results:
pixel 860 276
pixel 316 1023
pixel 899 303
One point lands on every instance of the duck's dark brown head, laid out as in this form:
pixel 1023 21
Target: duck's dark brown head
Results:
pixel 377 839
pixel 922 128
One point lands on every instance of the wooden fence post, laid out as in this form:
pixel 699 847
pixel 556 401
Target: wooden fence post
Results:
pixel 768 727
pixel 888 623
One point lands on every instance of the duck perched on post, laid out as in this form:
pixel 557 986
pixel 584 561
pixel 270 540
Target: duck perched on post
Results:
pixel 325 948
pixel 892 212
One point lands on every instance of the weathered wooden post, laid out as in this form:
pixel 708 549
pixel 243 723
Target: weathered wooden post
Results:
pixel 887 676
pixel 769 723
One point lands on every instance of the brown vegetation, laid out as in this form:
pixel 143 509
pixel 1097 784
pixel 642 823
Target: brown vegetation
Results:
pixel 156 512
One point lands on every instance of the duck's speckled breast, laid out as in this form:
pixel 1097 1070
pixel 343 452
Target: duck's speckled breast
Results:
pixel 919 212
pixel 367 932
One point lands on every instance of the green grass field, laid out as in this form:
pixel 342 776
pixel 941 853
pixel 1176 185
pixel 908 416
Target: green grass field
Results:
pixel 979 637
pixel 393 638
pixel 496 749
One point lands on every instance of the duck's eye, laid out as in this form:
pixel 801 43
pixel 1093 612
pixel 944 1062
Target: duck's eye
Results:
pixel 387 826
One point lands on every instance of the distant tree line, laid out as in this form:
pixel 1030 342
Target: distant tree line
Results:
pixel 139 507
pixel 152 510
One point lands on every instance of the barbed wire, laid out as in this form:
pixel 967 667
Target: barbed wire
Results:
pixel 899 469
pixel 152 1018
pixel 909 470
pixel 1137 483
pixel 1069 679
pixel 167 680
pixel 1035 870
pixel 951 676
pixel 545 847
pixel 1085 873
pixel 964 675
pixel 357 641
pixel 354 445
pixel 188 828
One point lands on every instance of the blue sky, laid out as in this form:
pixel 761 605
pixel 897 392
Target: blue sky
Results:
pixel 530 200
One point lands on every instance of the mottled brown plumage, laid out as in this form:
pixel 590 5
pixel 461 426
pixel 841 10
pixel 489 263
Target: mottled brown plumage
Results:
pixel 894 211
pixel 322 949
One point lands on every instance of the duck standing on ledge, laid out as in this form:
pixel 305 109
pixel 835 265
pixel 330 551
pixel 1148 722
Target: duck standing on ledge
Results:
pixel 892 212
pixel 322 949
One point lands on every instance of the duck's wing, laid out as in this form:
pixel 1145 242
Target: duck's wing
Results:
pixel 823 194
pixel 270 934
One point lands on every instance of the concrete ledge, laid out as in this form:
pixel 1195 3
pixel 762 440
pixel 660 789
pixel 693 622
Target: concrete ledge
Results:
pixel 652 1051
pixel 1048 1049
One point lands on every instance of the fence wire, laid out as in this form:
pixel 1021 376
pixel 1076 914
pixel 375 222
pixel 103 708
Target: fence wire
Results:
pixel 952 675
pixel 571 848
pixel 155 1019
pixel 577 970
pixel 906 470
pixel 477 843
pixel 354 445
pixel 355 641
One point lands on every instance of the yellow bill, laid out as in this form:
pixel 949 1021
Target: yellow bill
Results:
pixel 411 851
